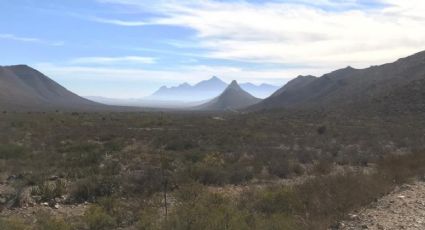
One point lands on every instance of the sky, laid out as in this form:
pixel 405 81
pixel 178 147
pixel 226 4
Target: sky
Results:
pixel 129 48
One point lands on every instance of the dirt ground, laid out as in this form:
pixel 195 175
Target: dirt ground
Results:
pixel 404 208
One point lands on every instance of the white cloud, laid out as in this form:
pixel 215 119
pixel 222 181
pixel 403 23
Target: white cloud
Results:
pixel 30 40
pixel 191 74
pixel 114 60
pixel 119 22
pixel 298 32
pixel 16 38
pixel 295 32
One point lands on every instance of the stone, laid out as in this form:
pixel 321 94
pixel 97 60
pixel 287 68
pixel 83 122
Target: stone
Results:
pixel 53 178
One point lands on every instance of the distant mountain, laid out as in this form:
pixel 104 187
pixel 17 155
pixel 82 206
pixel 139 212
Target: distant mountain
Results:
pixel 207 89
pixel 22 87
pixel 397 86
pixel 233 97
pixel 261 91
pixel 203 90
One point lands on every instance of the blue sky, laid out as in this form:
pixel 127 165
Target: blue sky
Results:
pixel 128 48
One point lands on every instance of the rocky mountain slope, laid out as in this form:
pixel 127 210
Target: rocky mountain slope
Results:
pixel 22 87
pixel 233 97
pixel 397 85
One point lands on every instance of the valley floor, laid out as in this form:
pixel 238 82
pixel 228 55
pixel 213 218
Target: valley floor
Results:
pixel 404 208
pixel 157 171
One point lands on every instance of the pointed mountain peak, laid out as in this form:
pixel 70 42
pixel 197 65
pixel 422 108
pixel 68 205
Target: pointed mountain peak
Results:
pixel 211 83
pixel 234 86
pixel 234 83
pixel 214 79
pixel 233 97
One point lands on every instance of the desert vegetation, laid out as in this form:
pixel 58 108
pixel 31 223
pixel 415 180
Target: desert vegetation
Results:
pixel 263 170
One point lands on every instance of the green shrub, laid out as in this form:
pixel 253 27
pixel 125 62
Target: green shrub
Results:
pixel 400 169
pixel 321 130
pixel 277 200
pixel 298 169
pixel 115 145
pixel 97 218
pixel 50 190
pixel 149 219
pixel 91 188
pixel 276 222
pixel 239 175
pixel 280 168
pixel 209 175
pixel 207 211
pixel 46 222
pixel 323 167
pixel 11 151
pixel 110 168
pixel 82 155
pixel 12 224
pixel 117 209
pixel 180 145
pixel 146 182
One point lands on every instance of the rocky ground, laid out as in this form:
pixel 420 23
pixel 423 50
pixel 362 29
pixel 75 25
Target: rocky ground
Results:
pixel 404 208
pixel 27 210
pixel 29 214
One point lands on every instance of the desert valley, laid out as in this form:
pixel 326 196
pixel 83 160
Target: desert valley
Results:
pixel 212 115
pixel 310 155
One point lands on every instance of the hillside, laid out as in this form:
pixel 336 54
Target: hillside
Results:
pixel 22 87
pixel 233 97
pixel 382 88
pixel 294 85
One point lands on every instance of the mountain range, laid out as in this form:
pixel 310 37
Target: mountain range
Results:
pixel 392 87
pixel 397 86
pixel 206 90
pixel 232 98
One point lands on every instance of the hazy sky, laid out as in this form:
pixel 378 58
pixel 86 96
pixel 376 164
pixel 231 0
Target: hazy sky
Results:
pixel 128 48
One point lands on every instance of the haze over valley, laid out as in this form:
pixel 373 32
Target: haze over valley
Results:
pixel 186 95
